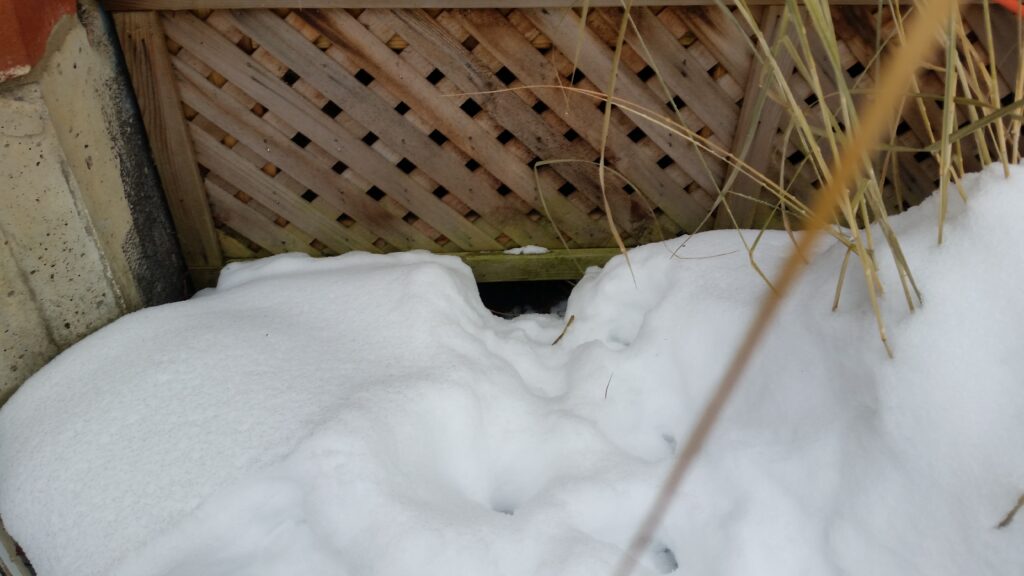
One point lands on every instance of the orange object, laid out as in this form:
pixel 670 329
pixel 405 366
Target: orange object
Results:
pixel 25 26
pixel 1011 5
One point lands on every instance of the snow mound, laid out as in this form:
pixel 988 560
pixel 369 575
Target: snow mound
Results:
pixel 365 414
pixel 520 250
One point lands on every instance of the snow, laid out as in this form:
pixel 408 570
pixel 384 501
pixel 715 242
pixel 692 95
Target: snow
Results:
pixel 365 414
pixel 520 250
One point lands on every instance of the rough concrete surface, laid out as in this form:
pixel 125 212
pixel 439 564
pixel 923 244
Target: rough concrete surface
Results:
pixel 107 149
pixel 25 341
pixel 48 237
pixel 85 235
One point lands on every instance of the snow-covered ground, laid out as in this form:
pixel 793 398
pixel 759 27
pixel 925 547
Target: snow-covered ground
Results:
pixel 367 415
pixel 526 250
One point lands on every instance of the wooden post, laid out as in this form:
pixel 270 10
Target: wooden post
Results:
pixel 553 265
pixel 145 54
pixel 761 134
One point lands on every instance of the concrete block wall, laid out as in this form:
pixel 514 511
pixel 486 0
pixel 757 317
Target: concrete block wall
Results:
pixel 85 235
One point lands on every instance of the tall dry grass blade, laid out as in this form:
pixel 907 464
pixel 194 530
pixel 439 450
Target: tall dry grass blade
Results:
pixel 868 192
pixel 993 88
pixel 565 330
pixel 670 97
pixel 1008 519
pixel 842 279
pixel 648 205
pixel 753 111
pixel 792 202
pixel 579 42
pixel 892 85
pixel 964 132
pixel 606 121
pixel 968 74
pixel 948 124
pixel 547 211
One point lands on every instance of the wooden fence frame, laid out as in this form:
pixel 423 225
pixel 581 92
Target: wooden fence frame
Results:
pixel 142 38
pixel 127 5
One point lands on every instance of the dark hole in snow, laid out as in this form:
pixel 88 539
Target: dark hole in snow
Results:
pixel 664 559
pixel 514 298
pixel 670 441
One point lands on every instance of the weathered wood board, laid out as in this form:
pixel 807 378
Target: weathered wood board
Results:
pixel 454 130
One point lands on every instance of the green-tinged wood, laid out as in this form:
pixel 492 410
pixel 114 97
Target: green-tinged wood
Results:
pixel 553 265
pixel 147 60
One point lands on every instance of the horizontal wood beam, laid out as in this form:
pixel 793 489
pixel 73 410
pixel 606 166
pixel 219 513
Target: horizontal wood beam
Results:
pixel 554 265
pixel 501 267
pixel 130 5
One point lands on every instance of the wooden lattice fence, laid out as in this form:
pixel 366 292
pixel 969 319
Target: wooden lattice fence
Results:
pixel 325 131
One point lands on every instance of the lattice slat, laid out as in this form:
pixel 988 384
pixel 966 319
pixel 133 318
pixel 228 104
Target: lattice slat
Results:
pixel 326 131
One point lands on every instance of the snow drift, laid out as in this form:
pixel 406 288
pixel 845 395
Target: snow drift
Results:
pixel 366 414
